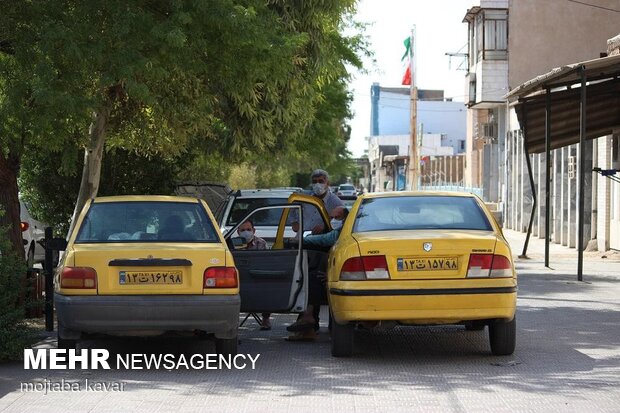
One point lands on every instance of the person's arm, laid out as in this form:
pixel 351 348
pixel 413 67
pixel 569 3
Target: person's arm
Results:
pixel 322 240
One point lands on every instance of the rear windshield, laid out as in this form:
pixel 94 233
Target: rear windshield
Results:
pixel 347 187
pixel 420 212
pixel 243 206
pixel 146 222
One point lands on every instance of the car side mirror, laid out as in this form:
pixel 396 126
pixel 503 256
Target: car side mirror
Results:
pixel 236 243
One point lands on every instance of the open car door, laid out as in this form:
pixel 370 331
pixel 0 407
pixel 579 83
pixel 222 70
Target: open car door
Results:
pixel 271 280
pixel 276 280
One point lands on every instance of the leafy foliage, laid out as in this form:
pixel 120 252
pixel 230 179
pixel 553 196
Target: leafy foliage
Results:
pixel 194 88
pixel 14 334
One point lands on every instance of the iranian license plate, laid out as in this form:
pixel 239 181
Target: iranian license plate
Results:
pixel 150 277
pixel 427 264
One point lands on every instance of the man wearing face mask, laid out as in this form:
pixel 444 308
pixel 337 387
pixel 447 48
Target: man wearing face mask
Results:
pixel 248 233
pixel 307 325
pixel 320 189
pixel 253 242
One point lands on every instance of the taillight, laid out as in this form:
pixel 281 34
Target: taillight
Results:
pixel 488 265
pixel 501 267
pixel 373 267
pixel 220 277
pixel 353 270
pixel 24 226
pixel 78 277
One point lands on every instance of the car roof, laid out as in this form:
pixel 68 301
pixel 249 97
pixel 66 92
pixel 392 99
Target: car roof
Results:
pixel 144 198
pixel 417 193
pixel 264 193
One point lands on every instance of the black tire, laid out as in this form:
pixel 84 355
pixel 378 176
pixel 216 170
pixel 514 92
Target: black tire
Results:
pixel 226 346
pixel 67 343
pixel 342 339
pixel 474 325
pixel 503 337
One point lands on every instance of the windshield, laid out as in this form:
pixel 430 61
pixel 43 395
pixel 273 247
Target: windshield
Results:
pixel 243 206
pixel 146 222
pixel 420 212
pixel 347 187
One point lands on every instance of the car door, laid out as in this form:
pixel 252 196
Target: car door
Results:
pixel 270 280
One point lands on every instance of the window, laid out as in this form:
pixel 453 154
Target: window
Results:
pixel 420 212
pixel 489 35
pixel 243 206
pixel 146 222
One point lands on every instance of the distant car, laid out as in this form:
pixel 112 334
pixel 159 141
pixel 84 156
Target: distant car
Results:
pixel 145 265
pixel 33 231
pixel 346 191
pixel 422 258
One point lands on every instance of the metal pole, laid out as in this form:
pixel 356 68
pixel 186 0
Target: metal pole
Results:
pixel 582 172
pixel 547 174
pixel 414 158
pixel 49 280
pixel 529 170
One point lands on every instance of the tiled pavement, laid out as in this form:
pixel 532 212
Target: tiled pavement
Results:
pixel 567 360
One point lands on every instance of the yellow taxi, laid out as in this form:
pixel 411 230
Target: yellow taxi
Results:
pixel 147 265
pixel 422 258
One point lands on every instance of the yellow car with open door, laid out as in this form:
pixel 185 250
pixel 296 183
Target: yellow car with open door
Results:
pixel 421 258
pixel 144 265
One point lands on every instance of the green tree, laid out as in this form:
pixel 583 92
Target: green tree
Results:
pixel 235 77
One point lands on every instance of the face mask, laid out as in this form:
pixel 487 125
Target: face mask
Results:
pixel 318 189
pixel 247 235
pixel 336 224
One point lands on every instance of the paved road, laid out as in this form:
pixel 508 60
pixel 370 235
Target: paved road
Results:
pixel 567 360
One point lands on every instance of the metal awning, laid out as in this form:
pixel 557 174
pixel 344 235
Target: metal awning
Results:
pixel 568 105
pixel 603 103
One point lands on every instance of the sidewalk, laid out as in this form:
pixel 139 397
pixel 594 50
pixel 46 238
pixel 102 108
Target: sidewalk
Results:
pixel 561 259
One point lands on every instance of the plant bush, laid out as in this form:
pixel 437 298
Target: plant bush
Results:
pixel 15 334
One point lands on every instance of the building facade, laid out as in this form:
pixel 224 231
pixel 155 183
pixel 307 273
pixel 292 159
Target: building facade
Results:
pixel 510 43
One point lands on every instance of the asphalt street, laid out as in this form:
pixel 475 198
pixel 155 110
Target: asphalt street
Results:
pixel 567 360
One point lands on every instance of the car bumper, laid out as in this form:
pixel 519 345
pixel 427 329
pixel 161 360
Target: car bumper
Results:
pixel 423 306
pixel 217 314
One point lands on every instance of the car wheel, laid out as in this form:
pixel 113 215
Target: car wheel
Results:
pixel 66 343
pixel 226 346
pixel 342 339
pixel 474 325
pixel 502 336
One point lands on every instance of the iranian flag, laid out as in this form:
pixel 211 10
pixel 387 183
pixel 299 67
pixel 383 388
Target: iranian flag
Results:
pixel 407 76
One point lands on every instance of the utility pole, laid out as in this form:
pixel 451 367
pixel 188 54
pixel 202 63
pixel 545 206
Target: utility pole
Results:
pixel 414 158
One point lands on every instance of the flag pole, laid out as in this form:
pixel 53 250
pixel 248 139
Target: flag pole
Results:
pixel 414 158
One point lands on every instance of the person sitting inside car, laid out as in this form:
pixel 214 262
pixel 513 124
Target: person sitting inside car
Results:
pixel 254 242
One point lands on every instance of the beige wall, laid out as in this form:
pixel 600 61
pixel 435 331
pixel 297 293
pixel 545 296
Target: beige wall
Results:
pixel 544 34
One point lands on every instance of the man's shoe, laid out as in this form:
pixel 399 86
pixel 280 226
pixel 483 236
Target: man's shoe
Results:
pixel 300 325
pixel 308 335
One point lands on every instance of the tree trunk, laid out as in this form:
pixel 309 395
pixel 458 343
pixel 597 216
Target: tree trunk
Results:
pixel 9 201
pixel 93 154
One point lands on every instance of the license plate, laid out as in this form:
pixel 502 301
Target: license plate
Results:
pixel 427 264
pixel 150 277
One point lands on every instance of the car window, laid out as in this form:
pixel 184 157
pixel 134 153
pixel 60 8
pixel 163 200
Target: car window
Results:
pixel 146 222
pixel 243 206
pixel 420 212
pixel 347 187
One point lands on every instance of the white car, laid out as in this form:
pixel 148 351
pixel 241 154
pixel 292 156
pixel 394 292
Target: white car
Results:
pixel 33 231
pixel 242 202
pixel 346 190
